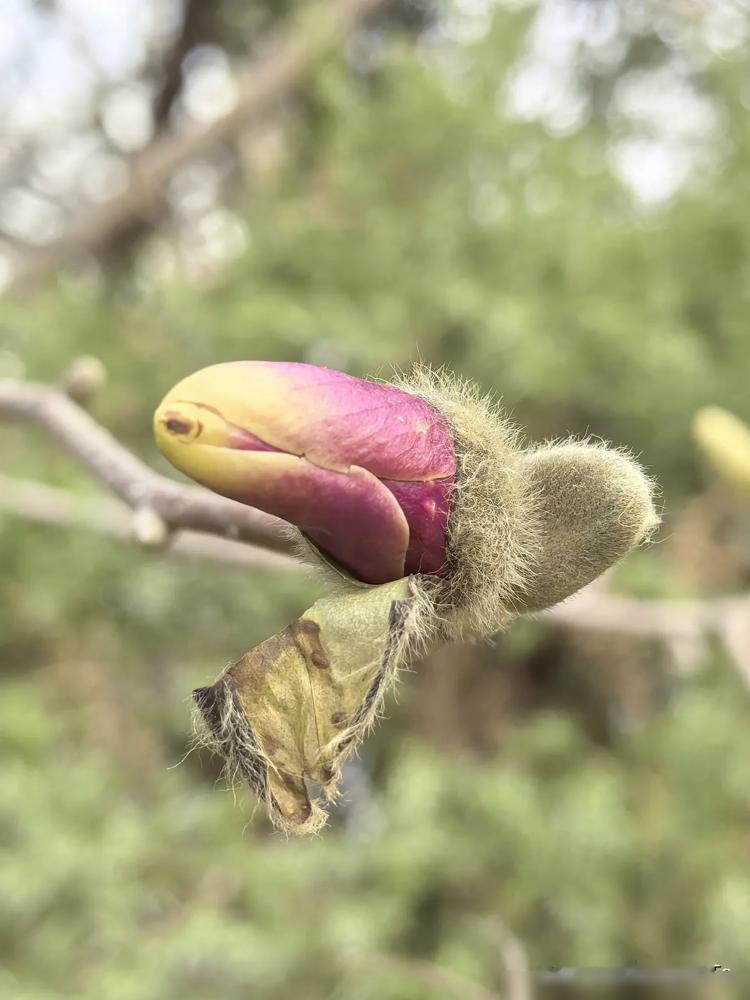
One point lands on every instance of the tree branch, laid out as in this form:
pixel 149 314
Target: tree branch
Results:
pixel 60 508
pixel 665 619
pixel 293 55
pixel 131 479
pixel 682 625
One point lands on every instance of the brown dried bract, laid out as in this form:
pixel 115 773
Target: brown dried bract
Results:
pixel 291 709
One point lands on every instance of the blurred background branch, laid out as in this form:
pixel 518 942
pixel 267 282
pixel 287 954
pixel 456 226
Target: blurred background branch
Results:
pixel 61 508
pixel 682 625
pixel 289 57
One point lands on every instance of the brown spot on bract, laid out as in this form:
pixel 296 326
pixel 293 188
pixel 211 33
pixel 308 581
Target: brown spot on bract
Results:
pixel 306 627
pixel 306 635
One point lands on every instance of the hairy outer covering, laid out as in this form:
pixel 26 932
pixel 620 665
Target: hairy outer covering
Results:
pixel 528 528
pixel 594 504
pixel 494 527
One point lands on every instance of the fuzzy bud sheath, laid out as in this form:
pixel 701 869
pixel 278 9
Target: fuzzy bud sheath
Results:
pixel 431 521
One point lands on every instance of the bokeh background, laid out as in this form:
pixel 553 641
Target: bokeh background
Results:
pixel 548 197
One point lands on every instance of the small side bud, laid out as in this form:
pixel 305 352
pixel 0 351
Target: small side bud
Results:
pixel 84 378
pixel 150 528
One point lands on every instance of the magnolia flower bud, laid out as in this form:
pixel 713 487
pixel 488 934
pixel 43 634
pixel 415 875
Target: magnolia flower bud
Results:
pixel 439 526
pixel 364 470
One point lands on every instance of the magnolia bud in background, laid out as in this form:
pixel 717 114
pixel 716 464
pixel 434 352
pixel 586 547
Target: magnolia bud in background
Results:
pixel 725 441
pixel 421 490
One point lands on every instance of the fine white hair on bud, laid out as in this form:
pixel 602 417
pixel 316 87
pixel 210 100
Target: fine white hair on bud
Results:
pixel 594 504
pixel 530 526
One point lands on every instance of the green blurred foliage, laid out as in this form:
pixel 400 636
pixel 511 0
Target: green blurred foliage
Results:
pixel 119 885
pixel 410 217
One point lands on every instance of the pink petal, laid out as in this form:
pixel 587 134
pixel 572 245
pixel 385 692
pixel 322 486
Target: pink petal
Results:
pixel 365 470
pixel 351 515
pixel 426 507
pixel 333 419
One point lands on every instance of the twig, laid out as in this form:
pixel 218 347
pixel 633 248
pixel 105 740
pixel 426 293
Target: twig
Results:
pixel 682 625
pixel 129 478
pixel 665 619
pixel 61 508
pixel 258 88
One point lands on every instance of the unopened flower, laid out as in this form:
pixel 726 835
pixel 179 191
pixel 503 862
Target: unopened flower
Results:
pixel 366 471
pixel 422 490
